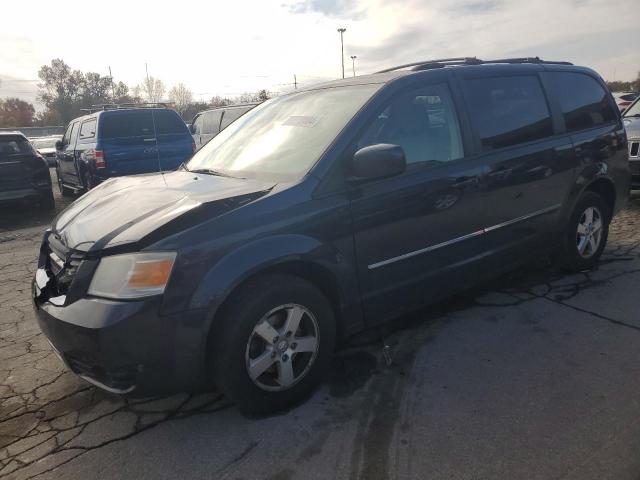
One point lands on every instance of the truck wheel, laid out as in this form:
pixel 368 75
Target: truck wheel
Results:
pixel 64 191
pixel 586 234
pixel 87 180
pixel 272 344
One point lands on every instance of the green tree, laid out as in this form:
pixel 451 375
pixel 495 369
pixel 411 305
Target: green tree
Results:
pixel 16 113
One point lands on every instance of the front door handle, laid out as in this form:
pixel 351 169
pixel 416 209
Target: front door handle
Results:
pixel 465 181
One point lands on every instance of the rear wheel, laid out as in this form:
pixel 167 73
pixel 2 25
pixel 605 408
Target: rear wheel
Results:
pixel 64 191
pixel 87 180
pixel 47 202
pixel 272 344
pixel 586 234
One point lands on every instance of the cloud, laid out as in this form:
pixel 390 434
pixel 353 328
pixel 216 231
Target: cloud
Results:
pixel 330 8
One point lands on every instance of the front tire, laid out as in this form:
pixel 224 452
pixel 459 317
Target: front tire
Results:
pixel 272 343
pixel 586 234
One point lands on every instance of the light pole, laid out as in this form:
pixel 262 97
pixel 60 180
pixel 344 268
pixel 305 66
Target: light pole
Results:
pixel 353 64
pixel 342 30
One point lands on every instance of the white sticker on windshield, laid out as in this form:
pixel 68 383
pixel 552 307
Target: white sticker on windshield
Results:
pixel 301 121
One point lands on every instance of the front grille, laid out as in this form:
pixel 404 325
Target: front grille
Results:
pixel 61 265
pixel 634 145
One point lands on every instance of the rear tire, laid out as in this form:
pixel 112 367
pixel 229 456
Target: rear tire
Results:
pixel 255 361
pixel 64 191
pixel 48 202
pixel 586 234
pixel 87 181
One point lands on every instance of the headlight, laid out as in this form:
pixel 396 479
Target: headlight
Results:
pixel 132 275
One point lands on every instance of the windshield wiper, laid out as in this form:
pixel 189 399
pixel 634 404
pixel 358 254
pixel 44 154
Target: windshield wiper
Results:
pixel 209 171
pixel 635 115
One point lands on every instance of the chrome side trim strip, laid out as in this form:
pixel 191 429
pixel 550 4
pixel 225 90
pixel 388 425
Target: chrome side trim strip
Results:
pixel 431 248
pixel 524 217
pixel 425 250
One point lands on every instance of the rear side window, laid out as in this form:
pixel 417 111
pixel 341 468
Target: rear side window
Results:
pixel 126 124
pixel 231 115
pixel 168 122
pixel 212 122
pixel 584 102
pixel 88 129
pixel 508 111
pixel 12 145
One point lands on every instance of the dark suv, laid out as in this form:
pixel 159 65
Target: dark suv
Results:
pixel 24 173
pixel 120 140
pixel 325 211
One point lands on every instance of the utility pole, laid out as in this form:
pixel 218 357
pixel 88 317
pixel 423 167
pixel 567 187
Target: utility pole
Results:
pixel 353 63
pixel 113 88
pixel 295 81
pixel 342 30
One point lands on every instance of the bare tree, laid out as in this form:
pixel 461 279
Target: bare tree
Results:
pixel 181 97
pixel 152 89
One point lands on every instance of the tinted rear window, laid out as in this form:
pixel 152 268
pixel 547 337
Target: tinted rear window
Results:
pixel 583 101
pixel 168 122
pixel 508 110
pixel 126 124
pixel 12 145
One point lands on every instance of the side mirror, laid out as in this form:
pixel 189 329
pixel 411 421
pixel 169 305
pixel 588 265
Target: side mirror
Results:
pixel 59 145
pixel 377 161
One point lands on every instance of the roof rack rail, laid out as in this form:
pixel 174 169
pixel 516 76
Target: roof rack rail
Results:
pixel 115 106
pixel 440 61
pixel 443 62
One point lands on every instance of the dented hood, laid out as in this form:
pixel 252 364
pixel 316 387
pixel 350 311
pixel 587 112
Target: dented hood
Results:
pixel 126 209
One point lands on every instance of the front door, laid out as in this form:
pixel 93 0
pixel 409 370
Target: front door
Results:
pixel 418 236
pixel 66 156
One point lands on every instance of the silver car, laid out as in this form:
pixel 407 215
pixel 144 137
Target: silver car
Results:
pixel 209 123
pixel 631 119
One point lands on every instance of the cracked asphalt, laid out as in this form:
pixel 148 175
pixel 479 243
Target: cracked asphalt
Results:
pixel 535 376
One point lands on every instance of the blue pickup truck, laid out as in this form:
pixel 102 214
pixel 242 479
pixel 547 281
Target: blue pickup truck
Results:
pixel 120 140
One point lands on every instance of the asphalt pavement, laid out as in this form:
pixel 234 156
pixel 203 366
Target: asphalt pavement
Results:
pixel 535 376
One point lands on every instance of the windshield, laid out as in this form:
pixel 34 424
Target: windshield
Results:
pixel 44 143
pixel 282 139
pixel 633 110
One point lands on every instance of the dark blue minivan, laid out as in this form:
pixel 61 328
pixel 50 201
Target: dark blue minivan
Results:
pixel 117 141
pixel 323 212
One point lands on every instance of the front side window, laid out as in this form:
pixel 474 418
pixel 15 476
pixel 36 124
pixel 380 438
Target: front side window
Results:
pixel 212 122
pixel 584 102
pixel 67 135
pixel 197 124
pixel 232 114
pixel 633 110
pixel 423 122
pixel 74 133
pixel 281 139
pixel 507 111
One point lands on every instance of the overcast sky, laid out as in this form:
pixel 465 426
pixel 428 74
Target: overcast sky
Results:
pixel 227 47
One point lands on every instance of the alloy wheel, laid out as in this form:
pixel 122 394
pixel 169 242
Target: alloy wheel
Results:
pixel 282 347
pixel 589 232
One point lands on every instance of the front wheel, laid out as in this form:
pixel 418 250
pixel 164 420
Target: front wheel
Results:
pixel 586 235
pixel 272 343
